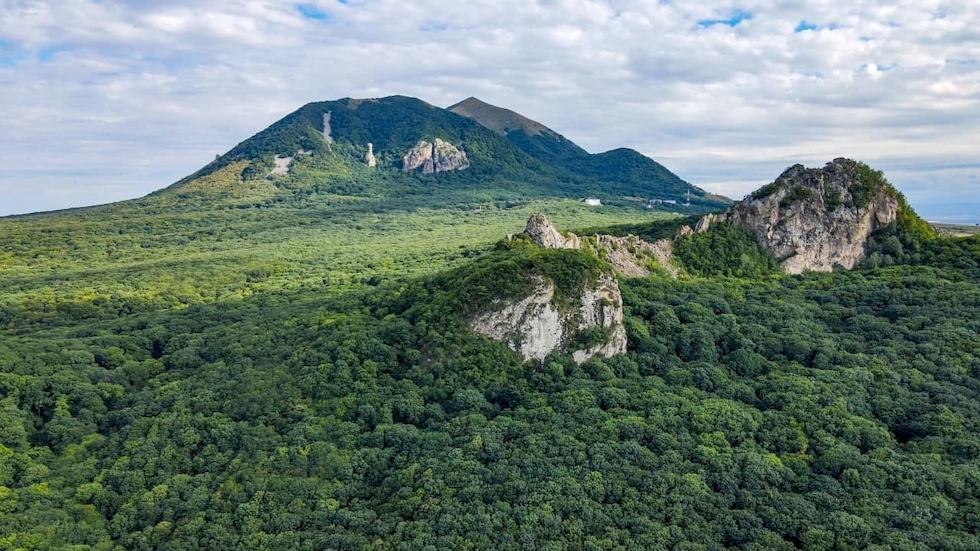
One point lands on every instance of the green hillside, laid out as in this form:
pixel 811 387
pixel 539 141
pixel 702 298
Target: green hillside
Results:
pixel 620 172
pixel 286 362
pixel 502 164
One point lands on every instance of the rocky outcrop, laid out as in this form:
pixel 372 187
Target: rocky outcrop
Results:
pixel 544 234
pixel 602 306
pixel 633 257
pixel 629 255
pixel 281 166
pixel 438 156
pixel 369 158
pixel 535 326
pixel 326 127
pixel 282 163
pixel 419 156
pixel 815 219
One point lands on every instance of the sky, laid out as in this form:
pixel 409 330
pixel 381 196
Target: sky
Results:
pixel 105 100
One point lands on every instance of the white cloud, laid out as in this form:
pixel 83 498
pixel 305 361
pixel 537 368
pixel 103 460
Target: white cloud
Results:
pixel 107 100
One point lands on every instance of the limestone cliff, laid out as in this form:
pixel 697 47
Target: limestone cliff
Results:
pixel 437 156
pixel 629 255
pixel 633 257
pixel 815 218
pixel 535 326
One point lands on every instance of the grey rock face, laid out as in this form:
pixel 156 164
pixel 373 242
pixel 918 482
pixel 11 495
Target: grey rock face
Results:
pixel 438 156
pixel 544 234
pixel 630 255
pixel 369 158
pixel 811 219
pixel 281 166
pixel 326 128
pixel 602 306
pixel 534 326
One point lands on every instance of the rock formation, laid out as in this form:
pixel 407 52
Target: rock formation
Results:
pixel 602 306
pixel 544 234
pixel 438 156
pixel 281 166
pixel 632 256
pixel 283 163
pixel 326 127
pixel 534 326
pixel 629 255
pixel 815 218
pixel 369 158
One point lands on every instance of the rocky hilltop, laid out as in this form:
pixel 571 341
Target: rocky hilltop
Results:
pixel 535 325
pixel 815 218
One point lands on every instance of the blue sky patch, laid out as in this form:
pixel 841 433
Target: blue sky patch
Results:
pixel 10 54
pixel 804 26
pixel 45 55
pixel 433 27
pixel 312 12
pixel 733 21
pixel 963 61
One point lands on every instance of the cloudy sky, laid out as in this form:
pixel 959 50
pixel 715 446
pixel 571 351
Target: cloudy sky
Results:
pixel 106 99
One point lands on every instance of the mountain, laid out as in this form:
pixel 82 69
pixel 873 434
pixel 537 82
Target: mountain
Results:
pixel 293 349
pixel 326 145
pixel 624 172
pixel 534 138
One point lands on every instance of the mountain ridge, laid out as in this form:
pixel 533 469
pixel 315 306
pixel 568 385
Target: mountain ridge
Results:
pixel 529 159
pixel 498 119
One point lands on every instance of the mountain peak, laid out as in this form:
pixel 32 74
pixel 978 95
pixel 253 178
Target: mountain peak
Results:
pixel 333 140
pixel 498 119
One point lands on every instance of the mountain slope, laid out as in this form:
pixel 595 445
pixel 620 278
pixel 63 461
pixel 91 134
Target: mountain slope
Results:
pixel 622 172
pixel 325 146
pixel 393 125
pixel 534 138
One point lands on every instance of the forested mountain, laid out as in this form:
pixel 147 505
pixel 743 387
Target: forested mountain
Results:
pixel 326 140
pixel 622 171
pixel 282 355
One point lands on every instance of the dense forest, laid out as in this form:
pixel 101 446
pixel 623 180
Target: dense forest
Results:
pixel 754 411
